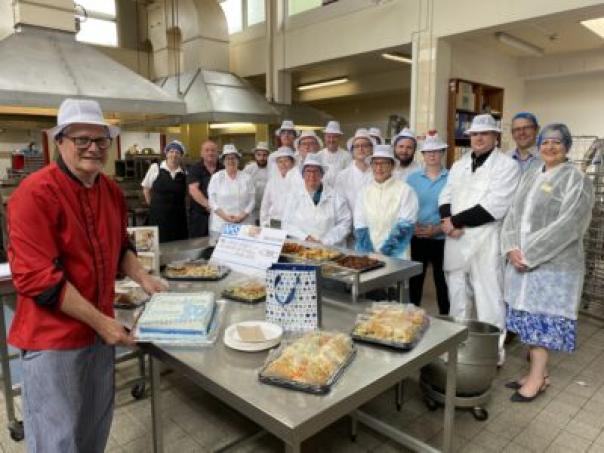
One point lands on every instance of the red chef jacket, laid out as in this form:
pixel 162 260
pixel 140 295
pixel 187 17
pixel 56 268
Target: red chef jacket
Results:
pixel 59 231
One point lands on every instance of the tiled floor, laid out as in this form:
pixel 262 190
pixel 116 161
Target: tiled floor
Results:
pixel 568 417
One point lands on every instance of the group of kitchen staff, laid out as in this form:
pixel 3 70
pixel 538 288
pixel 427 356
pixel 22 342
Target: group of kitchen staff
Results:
pixel 375 197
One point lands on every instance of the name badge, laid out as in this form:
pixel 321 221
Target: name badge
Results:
pixel 546 187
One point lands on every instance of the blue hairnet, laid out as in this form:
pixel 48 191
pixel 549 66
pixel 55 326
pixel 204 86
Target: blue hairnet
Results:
pixel 562 129
pixel 400 137
pixel 527 116
pixel 175 144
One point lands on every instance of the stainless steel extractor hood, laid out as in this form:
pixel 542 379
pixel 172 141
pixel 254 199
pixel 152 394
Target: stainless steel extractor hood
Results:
pixel 41 67
pixel 215 96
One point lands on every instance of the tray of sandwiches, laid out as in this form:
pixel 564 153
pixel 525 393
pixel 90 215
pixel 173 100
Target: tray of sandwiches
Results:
pixel 248 291
pixel 195 270
pixel 398 326
pixel 312 363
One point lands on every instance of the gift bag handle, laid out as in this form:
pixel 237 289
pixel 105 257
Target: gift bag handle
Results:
pixel 292 293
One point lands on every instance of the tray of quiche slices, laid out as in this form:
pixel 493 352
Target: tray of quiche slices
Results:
pixel 250 291
pixel 312 363
pixel 398 326
pixel 195 270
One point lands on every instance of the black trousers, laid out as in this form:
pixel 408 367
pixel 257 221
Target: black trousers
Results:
pixel 429 251
pixel 198 224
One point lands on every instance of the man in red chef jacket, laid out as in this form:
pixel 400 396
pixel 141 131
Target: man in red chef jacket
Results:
pixel 67 242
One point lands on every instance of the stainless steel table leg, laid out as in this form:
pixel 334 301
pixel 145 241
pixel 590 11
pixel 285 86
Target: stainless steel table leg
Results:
pixel 402 288
pixel 354 425
pixel 15 426
pixel 292 448
pixel 450 399
pixel 158 437
pixel 399 396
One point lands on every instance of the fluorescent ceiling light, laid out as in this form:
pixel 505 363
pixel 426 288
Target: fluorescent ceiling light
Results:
pixel 322 83
pixel 519 44
pixel 397 57
pixel 595 25
pixel 231 125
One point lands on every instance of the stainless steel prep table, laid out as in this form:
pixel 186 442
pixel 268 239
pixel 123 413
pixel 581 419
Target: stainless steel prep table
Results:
pixel 293 416
pixel 395 272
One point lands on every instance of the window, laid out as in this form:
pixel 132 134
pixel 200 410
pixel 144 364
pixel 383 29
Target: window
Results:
pixel 298 6
pixel 255 12
pixel 233 11
pixel 97 22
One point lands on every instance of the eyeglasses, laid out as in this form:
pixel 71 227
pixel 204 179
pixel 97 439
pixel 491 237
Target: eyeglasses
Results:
pixel 381 163
pixel 522 129
pixel 362 146
pixel 101 143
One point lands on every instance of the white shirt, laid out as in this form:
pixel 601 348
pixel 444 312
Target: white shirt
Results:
pixel 277 193
pixel 401 173
pixel 233 196
pixel 153 173
pixel 260 179
pixel 350 181
pixel 329 221
pixel 337 161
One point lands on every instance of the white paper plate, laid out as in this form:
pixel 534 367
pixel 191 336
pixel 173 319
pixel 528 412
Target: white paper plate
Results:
pixel 272 332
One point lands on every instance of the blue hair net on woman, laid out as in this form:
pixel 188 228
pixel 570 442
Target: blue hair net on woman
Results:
pixel 556 130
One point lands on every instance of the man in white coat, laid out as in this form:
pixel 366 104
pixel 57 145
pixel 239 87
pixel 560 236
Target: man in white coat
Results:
pixel 350 181
pixel 278 189
pixel 405 145
pixel 258 171
pixel 335 157
pixel 472 205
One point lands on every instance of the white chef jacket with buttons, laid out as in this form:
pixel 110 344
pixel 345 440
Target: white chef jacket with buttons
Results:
pixel 233 195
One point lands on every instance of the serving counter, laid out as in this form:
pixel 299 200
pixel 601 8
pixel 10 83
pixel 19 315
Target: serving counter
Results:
pixel 292 416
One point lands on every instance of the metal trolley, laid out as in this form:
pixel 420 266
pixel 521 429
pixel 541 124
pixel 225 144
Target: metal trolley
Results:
pixel 593 287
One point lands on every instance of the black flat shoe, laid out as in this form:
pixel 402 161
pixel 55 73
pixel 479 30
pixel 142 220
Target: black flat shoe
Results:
pixel 514 385
pixel 518 397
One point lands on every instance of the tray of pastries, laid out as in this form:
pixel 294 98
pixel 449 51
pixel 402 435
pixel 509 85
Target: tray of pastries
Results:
pixel 359 263
pixel 312 363
pixel 399 326
pixel 248 291
pixel 300 253
pixel 197 270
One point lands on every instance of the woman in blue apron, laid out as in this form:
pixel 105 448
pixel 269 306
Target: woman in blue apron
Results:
pixel 165 190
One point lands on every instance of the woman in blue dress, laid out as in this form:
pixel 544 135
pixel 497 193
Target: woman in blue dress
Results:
pixel 542 238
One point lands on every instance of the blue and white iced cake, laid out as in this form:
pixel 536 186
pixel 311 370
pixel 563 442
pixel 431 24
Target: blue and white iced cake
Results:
pixel 171 315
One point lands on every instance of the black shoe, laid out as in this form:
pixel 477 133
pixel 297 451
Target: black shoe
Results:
pixel 514 385
pixel 518 397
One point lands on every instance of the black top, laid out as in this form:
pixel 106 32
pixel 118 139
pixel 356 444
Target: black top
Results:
pixel 477 161
pixel 198 173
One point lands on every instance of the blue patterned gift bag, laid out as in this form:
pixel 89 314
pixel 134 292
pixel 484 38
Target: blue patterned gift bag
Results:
pixel 292 296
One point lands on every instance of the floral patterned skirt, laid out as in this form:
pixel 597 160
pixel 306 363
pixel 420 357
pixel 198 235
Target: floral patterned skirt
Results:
pixel 551 332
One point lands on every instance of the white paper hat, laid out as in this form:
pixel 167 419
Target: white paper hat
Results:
pixel 307 134
pixel 383 151
pixel 80 111
pixel 483 123
pixel 262 146
pixel 229 148
pixel 360 133
pixel 375 131
pixel 333 127
pixel 283 151
pixel 287 125
pixel 315 161
pixel 433 143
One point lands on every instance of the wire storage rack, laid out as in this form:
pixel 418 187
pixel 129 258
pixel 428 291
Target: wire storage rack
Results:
pixel 593 287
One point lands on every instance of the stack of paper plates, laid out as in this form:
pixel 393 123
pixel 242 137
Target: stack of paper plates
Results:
pixel 271 334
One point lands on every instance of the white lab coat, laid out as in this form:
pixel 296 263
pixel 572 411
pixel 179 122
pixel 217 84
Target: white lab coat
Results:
pixel 329 221
pixel 473 263
pixel 380 206
pixel 277 193
pixel 259 179
pixel 350 181
pixel 337 161
pixel 402 172
pixel 233 196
